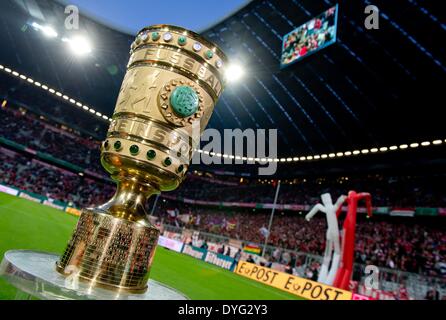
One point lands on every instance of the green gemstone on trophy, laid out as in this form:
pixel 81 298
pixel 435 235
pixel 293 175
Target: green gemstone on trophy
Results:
pixel 182 40
pixel 151 154
pixel 209 54
pixel 117 145
pixel 167 162
pixel 155 36
pixel 184 101
pixel 134 150
pixel 180 168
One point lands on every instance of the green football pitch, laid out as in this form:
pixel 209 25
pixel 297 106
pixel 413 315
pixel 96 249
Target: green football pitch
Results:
pixel 28 225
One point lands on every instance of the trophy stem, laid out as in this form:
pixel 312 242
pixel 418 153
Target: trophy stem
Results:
pixel 130 199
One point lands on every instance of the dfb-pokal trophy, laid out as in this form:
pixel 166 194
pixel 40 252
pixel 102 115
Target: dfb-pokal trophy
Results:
pixel 173 81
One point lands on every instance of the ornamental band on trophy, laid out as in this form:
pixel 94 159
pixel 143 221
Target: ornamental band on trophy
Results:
pixel 173 81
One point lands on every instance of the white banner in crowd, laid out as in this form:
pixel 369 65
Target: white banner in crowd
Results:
pixel 8 190
pixel 170 244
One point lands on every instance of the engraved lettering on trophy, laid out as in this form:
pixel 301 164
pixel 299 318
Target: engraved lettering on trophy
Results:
pixel 184 149
pixel 217 89
pixel 189 64
pixel 112 125
pixel 160 56
pixel 174 139
pixel 147 53
pixel 142 130
pixel 202 72
pixel 159 135
pixel 122 125
pixel 175 59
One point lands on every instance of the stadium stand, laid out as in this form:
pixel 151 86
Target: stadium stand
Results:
pixel 41 178
pixel 33 132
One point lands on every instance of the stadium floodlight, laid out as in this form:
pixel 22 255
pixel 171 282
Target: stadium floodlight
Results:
pixel 46 30
pixel 234 73
pixel 79 45
pixel 49 32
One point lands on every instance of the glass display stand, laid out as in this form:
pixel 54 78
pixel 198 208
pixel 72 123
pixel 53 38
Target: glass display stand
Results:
pixel 34 275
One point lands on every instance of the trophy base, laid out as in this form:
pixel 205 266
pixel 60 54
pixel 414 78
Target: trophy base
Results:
pixel 110 252
pixel 33 274
pixel 99 284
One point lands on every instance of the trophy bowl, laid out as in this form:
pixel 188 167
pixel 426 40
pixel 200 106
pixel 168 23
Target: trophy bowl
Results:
pixel 173 81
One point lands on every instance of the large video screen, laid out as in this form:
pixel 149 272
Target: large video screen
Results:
pixel 310 37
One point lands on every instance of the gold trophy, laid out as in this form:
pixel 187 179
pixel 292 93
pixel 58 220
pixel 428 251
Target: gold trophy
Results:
pixel 173 81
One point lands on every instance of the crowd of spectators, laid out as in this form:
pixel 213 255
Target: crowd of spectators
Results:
pixel 393 191
pixel 394 243
pixel 40 178
pixel 35 133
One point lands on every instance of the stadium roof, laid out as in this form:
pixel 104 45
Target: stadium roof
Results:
pixel 371 88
